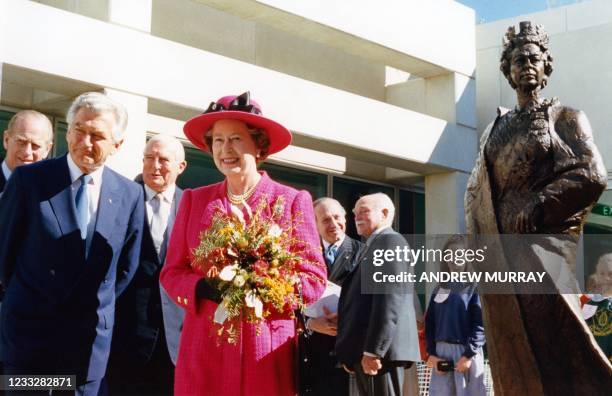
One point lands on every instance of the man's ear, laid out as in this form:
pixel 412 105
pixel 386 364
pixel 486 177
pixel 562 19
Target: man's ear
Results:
pixel 182 167
pixel 116 146
pixel 385 212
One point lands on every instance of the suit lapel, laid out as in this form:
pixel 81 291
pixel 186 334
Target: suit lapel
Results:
pixel 339 263
pixel 367 246
pixel 2 180
pixel 108 205
pixel 178 193
pixel 62 202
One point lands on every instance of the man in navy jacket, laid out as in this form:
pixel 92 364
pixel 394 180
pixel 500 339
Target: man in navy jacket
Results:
pixel 70 234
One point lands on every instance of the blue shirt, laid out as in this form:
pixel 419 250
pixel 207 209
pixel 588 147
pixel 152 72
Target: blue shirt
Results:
pixel 457 320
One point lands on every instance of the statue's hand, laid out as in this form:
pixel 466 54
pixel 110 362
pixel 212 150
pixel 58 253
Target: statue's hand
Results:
pixel 527 220
pixel 524 222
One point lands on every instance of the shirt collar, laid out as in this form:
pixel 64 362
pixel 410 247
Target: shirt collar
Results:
pixel 76 172
pixel 167 194
pixel 5 169
pixel 376 232
pixel 339 242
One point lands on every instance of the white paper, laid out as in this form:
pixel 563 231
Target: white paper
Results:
pixel 588 311
pixel 442 295
pixel 329 299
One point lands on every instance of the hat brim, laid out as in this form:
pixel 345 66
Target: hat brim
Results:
pixel 196 128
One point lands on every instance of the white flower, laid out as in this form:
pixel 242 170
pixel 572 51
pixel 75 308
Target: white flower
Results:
pixel 221 313
pixel 237 213
pixel 239 281
pixel 252 301
pixel 228 272
pixel 275 231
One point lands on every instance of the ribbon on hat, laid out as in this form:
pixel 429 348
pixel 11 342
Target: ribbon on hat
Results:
pixel 240 103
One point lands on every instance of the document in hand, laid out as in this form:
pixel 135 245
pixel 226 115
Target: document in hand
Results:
pixel 329 299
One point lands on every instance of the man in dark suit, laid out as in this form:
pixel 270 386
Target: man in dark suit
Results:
pixel 70 234
pixel 27 139
pixel 339 250
pixel 377 333
pixel 148 322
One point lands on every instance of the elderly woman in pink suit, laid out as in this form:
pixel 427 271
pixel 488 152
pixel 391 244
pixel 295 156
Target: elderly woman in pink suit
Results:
pixel 238 137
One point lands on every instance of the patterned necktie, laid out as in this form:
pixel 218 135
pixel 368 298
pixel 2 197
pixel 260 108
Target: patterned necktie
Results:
pixel 159 221
pixel 330 254
pixel 82 205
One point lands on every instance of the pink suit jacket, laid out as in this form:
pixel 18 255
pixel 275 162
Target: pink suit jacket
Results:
pixel 261 364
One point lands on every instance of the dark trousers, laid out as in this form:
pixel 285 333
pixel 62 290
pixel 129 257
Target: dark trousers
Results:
pixel 155 377
pixel 388 382
pixel 328 377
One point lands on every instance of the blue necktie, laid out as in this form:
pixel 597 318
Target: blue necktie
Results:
pixel 330 254
pixel 82 205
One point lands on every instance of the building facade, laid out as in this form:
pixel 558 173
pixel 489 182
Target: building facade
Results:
pixel 380 96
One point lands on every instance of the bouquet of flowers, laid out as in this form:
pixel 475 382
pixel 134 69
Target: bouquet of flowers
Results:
pixel 252 265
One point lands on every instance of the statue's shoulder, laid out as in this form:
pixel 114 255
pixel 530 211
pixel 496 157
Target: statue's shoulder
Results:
pixel 571 122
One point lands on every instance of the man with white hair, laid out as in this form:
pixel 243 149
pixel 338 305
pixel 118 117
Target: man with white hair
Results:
pixel 377 334
pixel 28 138
pixel 70 233
pixel 148 323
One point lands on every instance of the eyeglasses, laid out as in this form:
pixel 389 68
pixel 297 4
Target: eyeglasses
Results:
pixel 241 103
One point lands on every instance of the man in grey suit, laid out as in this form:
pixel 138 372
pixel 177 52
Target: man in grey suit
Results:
pixel 339 250
pixel 148 323
pixel 377 334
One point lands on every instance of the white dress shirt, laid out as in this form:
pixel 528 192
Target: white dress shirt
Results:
pixel 326 244
pixel 93 193
pixel 166 202
pixel 5 169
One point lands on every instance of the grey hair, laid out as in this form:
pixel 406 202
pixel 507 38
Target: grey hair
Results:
pixel 173 143
pixel 382 201
pixel 23 114
pixel 328 200
pixel 99 103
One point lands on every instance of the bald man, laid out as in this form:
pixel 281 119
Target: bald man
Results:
pixel 27 139
pixel 377 333
pixel 148 322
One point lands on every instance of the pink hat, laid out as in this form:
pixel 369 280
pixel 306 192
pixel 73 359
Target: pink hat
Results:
pixel 240 108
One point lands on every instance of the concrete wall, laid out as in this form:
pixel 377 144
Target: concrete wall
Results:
pixel 342 122
pixel 580 42
pixel 209 29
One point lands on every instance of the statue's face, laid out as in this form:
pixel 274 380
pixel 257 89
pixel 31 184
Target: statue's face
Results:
pixel 527 67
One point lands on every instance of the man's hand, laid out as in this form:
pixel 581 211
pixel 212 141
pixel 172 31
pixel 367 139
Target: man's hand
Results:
pixel 370 364
pixel 432 362
pixel 463 364
pixel 327 324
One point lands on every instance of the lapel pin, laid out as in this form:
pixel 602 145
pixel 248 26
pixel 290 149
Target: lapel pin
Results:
pixel 110 200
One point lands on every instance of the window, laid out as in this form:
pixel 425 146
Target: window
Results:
pixel 200 170
pixel 60 146
pixel 314 183
pixel 411 212
pixel 348 191
pixel 5 117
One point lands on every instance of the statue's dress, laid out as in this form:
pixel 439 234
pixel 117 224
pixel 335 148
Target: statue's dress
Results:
pixel 540 161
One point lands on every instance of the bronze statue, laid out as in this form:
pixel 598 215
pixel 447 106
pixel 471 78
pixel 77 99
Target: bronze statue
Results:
pixel 538 172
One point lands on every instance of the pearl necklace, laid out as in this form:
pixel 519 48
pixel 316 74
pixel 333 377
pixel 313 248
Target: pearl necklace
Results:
pixel 238 199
